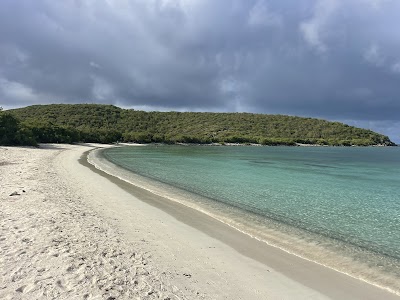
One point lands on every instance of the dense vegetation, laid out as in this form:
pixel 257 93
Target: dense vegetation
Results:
pixel 13 133
pixel 63 123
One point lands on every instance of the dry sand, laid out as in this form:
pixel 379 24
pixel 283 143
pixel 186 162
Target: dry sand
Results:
pixel 74 233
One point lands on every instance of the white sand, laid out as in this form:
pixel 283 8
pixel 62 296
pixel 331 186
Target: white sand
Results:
pixel 74 234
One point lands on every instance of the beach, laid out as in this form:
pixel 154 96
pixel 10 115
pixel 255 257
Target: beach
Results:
pixel 71 231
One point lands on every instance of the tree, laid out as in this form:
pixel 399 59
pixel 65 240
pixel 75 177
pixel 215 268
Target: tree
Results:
pixel 13 133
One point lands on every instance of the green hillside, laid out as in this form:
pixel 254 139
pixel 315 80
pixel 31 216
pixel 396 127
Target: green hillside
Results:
pixel 106 123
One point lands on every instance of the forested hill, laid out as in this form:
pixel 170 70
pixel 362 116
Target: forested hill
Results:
pixel 106 123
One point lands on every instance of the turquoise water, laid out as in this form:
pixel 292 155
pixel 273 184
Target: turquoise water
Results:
pixel 350 196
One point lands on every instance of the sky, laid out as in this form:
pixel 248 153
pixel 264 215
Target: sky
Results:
pixel 332 59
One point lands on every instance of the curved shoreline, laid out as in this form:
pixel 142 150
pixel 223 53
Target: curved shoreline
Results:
pixel 55 241
pixel 110 170
pixel 73 231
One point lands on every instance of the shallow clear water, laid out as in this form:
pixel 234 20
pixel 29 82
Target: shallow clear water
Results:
pixel 349 195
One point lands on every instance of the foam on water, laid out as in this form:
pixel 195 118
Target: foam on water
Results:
pixel 339 207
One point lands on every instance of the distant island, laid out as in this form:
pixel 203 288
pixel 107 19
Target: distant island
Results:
pixel 70 123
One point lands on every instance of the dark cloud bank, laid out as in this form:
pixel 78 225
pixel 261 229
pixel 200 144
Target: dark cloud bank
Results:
pixel 332 59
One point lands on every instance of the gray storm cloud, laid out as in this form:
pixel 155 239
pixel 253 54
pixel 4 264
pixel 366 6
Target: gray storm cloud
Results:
pixel 334 59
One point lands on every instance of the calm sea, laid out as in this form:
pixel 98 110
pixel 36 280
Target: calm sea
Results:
pixel 337 206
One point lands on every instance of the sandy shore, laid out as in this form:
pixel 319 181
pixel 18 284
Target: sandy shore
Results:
pixel 72 232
